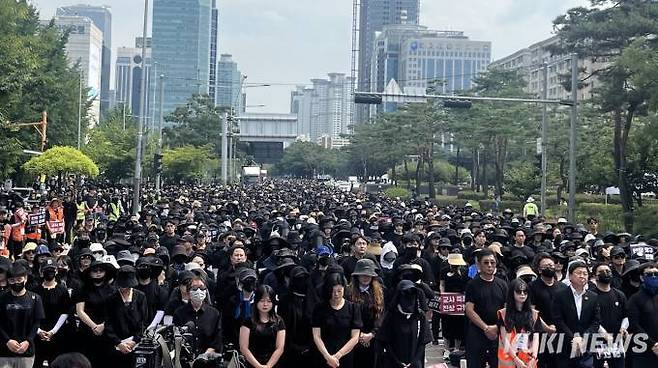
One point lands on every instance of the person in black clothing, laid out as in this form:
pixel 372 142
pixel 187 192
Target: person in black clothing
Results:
pixel 21 312
pixel 239 306
pixel 358 245
pixel 66 274
pixel 169 239
pixel 411 255
pixel 55 330
pixel 614 320
pixel 519 248
pixel 367 291
pixel 576 312
pixel 263 336
pixel 542 292
pixel 453 280
pixel 642 309
pixel 207 329
pixel 147 269
pixel 127 313
pixel 296 310
pixel 90 306
pixel 618 266
pixel 404 332
pixel 336 324
pixel 484 296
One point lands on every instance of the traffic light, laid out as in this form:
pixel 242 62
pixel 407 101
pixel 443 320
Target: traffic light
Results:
pixel 457 104
pixel 367 99
pixel 157 163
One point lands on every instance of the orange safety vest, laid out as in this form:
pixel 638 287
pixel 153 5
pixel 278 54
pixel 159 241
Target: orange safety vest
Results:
pixel 18 232
pixel 504 358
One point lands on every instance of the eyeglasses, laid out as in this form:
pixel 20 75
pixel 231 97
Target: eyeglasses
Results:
pixel 521 291
pixel 651 274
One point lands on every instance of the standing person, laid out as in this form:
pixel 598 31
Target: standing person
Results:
pixel 127 317
pixel 21 312
pixel 366 291
pixel 453 280
pixel 614 321
pixel 57 306
pixel 405 331
pixel 55 221
pixel 263 336
pixel 485 295
pixel 542 294
pixel 296 309
pixel 575 313
pixel 642 304
pixel 336 324
pixel 530 209
pixel 207 329
pixel 518 325
pixel 358 246
pixel 90 306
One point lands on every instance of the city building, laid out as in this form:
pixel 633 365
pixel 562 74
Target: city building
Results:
pixel 374 15
pixel 529 62
pixel 214 48
pixel 182 49
pixel 325 108
pixel 128 80
pixel 229 84
pixel 329 142
pixel 84 49
pixel 101 16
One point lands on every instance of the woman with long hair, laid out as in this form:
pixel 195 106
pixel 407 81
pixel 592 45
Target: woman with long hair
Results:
pixel 263 336
pixel 367 291
pixel 336 324
pixel 518 326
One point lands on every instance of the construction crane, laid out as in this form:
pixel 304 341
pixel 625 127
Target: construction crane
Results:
pixel 40 126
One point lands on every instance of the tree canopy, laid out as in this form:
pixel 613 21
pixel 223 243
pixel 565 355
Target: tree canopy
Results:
pixel 61 160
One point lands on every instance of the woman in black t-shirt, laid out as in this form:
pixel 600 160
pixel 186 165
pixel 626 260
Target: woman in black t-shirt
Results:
pixel 336 324
pixel 263 336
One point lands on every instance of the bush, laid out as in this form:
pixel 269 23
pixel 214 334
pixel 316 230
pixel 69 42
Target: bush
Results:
pixel 515 206
pixel 395 192
pixel 471 195
pixel 444 201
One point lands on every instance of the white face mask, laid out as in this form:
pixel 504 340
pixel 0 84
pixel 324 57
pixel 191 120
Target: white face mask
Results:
pixel 198 296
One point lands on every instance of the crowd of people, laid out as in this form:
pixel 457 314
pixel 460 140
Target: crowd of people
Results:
pixel 295 273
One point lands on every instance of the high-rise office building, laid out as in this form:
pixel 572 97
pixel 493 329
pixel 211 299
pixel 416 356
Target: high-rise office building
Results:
pixel 128 79
pixel 181 47
pixel 102 18
pixel 214 48
pixel 323 110
pixel 229 84
pixel 374 15
pixel 84 49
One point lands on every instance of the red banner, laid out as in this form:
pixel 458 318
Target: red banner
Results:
pixel 448 303
pixel 56 227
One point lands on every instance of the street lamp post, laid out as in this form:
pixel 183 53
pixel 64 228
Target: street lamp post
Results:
pixel 140 125
pixel 158 174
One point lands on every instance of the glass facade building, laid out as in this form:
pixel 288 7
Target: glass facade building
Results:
pixel 182 49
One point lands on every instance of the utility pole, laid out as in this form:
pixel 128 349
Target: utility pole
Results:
pixel 80 111
pixel 140 125
pixel 544 140
pixel 572 138
pixel 158 174
pixel 225 149
pixel 155 90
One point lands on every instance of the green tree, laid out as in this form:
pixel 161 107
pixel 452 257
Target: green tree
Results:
pixel 58 161
pixel 189 163
pixel 604 32
pixel 197 123
pixel 307 159
pixel 113 147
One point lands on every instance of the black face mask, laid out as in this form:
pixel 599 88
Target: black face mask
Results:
pixel 323 261
pixel 548 272
pixel 407 301
pixel 604 278
pixel 62 272
pixel 411 252
pixel 467 241
pixel 98 281
pixel 49 274
pixel 249 285
pixel 144 273
pixel 17 287
pixel 298 285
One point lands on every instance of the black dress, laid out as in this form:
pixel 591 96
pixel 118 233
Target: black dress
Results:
pixel 262 338
pixel 56 301
pixel 364 357
pixel 454 325
pixel 336 328
pixel 403 340
pixel 97 348
pixel 125 320
pixel 296 311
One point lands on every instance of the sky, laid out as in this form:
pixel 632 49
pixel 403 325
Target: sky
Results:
pixel 288 42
